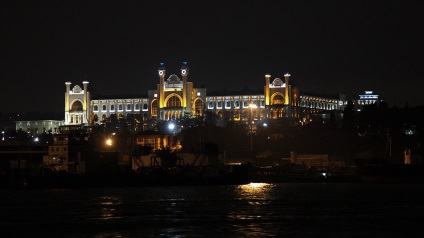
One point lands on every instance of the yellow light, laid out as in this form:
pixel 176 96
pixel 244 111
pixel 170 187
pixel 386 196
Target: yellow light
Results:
pixel 257 185
pixel 109 142
pixel 252 105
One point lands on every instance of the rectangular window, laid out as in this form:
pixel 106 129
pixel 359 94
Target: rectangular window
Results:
pixel 120 107
pixel 128 107
pixel 137 106
pixel 210 105
pixel 219 104
pixel 112 107
pixel 228 104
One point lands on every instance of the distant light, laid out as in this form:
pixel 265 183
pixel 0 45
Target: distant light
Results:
pixel 162 64
pixel 184 62
pixel 109 142
pixel 198 93
pixel 183 71
pixel 36 139
pixel 265 125
pixel 287 74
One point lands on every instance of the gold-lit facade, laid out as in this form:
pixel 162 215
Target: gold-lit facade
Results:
pixel 175 98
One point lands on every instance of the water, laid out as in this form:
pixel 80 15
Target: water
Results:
pixel 265 210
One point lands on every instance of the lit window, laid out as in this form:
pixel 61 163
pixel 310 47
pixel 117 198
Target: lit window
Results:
pixel 154 107
pixel 245 103
pixel 173 101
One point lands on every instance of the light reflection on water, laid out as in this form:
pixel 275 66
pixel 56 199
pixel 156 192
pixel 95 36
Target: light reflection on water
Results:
pixel 251 210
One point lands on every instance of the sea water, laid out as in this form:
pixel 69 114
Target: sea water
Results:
pixel 254 210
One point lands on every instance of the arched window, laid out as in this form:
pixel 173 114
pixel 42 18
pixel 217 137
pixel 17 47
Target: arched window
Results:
pixel 96 108
pixel 154 107
pixel 237 114
pixel 112 107
pixel 278 100
pixel 198 107
pixel 173 101
pixel 76 106
pixel 103 107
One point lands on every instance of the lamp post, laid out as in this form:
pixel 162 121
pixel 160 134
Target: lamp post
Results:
pixel 171 128
pixel 251 106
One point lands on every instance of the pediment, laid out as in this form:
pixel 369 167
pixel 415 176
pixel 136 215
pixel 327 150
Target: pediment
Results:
pixel 173 79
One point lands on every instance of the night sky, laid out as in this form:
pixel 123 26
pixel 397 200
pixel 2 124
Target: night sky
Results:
pixel 327 47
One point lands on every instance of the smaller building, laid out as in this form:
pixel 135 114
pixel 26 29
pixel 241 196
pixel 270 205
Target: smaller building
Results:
pixel 38 127
pixel 152 139
pixel 367 98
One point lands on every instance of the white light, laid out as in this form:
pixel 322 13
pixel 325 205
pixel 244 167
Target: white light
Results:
pixel 171 126
pixel 265 125
pixel 198 93
pixel 155 95
pixel 161 72
pixel 36 139
pixel 183 71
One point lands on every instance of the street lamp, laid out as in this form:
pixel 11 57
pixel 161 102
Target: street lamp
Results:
pixel 251 106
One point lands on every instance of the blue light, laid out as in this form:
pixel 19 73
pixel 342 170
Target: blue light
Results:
pixel 184 62
pixel 162 64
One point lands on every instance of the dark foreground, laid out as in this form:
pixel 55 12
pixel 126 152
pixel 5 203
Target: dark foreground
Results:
pixel 253 210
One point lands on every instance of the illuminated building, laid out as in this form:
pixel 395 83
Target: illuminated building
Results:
pixel 175 97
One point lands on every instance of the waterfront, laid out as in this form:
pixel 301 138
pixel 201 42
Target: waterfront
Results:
pixel 285 209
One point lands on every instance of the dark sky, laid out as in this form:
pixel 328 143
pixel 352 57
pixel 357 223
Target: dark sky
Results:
pixel 327 46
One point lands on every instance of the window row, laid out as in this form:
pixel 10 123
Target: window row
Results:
pixel 236 104
pixel 120 107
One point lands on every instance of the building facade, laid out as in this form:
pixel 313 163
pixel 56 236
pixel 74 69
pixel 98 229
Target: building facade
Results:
pixel 175 98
